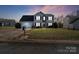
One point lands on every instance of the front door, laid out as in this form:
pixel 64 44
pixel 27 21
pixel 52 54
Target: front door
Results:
pixel 43 24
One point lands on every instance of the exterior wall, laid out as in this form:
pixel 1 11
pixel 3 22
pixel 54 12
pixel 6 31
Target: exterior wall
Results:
pixel 66 23
pixel 44 23
pixel 50 21
pixel 27 24
pixel 7 23
pixel 70 26
pixel 38 21
pixel 76 25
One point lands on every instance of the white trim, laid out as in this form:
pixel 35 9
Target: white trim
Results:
pixel 37 24
pixel 49 17
pixel 44 18
pixel 37 17
pixel 49 24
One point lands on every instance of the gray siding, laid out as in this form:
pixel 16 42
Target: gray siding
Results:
pixel 7 22
pixel 67 23
pixel 41 19
pixel 76 25
pixel 43 23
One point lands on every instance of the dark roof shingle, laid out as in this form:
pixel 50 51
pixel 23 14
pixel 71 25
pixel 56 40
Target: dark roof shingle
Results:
pixel 27 18
pixel 74 20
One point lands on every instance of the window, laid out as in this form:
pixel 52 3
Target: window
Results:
pixel 37 24
pixel 43 18
pixel 50 18
pixel 49 24
pixel 37 17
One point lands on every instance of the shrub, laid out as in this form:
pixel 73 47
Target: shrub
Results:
pixel 55 25
pixel 60 25
pixel 17 25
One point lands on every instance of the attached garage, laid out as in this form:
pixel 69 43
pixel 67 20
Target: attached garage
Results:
pixel 26 25
pixel 27 21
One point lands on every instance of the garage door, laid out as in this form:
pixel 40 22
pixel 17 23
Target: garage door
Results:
pixel 27 25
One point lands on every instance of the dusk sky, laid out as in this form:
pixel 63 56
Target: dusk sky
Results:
pixel 16 11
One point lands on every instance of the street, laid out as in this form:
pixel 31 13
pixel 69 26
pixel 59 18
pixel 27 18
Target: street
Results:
pixel 35 48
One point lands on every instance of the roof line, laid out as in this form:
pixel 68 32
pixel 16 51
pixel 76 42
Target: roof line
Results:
pixel 74 20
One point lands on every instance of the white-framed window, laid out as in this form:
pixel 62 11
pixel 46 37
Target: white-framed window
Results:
pixel 44 18
pixel 37 17
pixel 50 18
pixel 49 24
pixel 37 24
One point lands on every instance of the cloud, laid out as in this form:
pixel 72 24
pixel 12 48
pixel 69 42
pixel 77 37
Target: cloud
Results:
pixel 57 10
pixel 47 9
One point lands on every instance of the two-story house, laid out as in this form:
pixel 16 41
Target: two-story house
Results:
pixel 37 20
pixel 43 20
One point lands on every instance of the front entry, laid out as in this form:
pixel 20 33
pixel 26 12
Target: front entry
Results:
pixel 43 24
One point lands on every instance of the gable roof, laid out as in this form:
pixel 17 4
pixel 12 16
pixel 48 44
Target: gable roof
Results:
pixel 44 14
pixel 49 15
pixel 7 20
pixel 27 18
pixel 39 13
pixel 74 20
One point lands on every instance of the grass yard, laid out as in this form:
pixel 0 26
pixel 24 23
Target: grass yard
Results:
pixel 51 33
pixel 7 27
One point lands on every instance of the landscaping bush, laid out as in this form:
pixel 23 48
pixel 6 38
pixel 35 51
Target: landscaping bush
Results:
pixel 55 25
pixel 17 25
pixel 60 25
pixel 50 26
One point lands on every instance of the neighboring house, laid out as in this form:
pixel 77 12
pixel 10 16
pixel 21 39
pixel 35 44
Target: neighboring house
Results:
pixel 67 20
pixel 75 23
pixel 7 22
pixel 71 22
pixel 38 20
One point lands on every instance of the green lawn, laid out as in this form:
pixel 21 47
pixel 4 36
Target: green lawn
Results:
pixel 51 33
pixel 7 27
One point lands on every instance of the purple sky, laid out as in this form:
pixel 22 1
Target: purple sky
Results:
pixel 16 11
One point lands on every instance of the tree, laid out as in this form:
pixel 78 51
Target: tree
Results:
pixel 60 25
pixel 18 25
